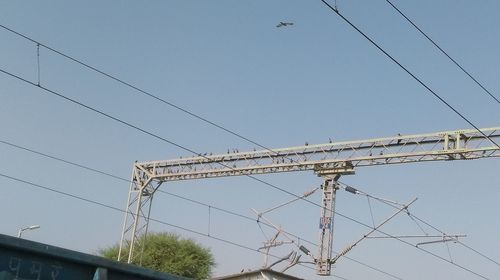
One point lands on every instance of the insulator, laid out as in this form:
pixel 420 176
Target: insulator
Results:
pixel 351 190
pixel 304 249
pixel 306 194
pixel 346 250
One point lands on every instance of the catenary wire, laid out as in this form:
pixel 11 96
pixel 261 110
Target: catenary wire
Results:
pixel 100 172
pixel 156 136
pixel 110 207
pixel 488 92
pixel 176 195
pixel 177 106
pixel 187 111
pixel 371 212
pixel 176 226
pixel 291 234
pixel 63 160
pixel 416 218
pixel 164 101
pixel 38 62
pixel 146 132
pixel 457 240
pixel 246 175
pixel 224 210
pixel 137 89
pixel 430 90
pixel 211 122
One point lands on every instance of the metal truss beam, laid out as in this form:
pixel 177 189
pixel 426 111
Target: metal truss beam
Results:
pixel 327 160
pixel 440 146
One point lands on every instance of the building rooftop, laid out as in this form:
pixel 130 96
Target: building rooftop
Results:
pixel 265 274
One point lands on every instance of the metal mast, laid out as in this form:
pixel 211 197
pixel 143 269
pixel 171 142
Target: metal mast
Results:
pixel 329 161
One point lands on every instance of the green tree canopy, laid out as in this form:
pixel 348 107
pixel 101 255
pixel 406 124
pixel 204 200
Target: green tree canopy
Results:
pixel 167 252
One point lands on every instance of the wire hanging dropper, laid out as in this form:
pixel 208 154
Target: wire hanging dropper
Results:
pixel 38 62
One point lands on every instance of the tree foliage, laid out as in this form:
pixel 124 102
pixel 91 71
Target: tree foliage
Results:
pixel 167 252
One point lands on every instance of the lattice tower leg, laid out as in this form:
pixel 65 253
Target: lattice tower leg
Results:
pixel 323 264
pixel 136 220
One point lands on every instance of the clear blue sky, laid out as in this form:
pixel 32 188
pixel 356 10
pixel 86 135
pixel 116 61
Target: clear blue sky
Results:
pixel 226 61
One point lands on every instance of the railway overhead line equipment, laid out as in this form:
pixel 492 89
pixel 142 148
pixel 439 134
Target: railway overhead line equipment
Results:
pixel 329 161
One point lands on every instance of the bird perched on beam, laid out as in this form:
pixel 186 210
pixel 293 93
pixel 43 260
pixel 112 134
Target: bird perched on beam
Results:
pixel 284 24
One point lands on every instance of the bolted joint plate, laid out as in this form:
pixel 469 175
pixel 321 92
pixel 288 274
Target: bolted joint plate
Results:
pixel 345 169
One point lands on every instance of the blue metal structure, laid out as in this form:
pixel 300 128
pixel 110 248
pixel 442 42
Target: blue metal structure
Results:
pixel 27 260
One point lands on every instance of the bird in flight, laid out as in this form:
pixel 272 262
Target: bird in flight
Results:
pixel 281 24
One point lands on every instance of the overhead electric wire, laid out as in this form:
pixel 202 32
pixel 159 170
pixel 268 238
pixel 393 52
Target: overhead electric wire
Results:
pixel 430 90
pixel 63 160
pixel 284 231
pixel 38 62
pixel 414 218
pixel 135 127
pixel 183 109
pixel 180 227
pixel 186 110
pixel 457 240
pixel 104 205
pixel 136 88
pixel 156 97
pixel 207 158
pixel 104 173
pixel 219 126
pixel 488 92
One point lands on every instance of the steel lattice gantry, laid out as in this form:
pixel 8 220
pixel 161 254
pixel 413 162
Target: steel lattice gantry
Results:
pixel 329 161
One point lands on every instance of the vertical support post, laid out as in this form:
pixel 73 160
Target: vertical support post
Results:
pixel 145 235
pixel 326 223
pixel 457 141
pixel 323 264
pixel 137 213
pixel 123 239
pixel 137 218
